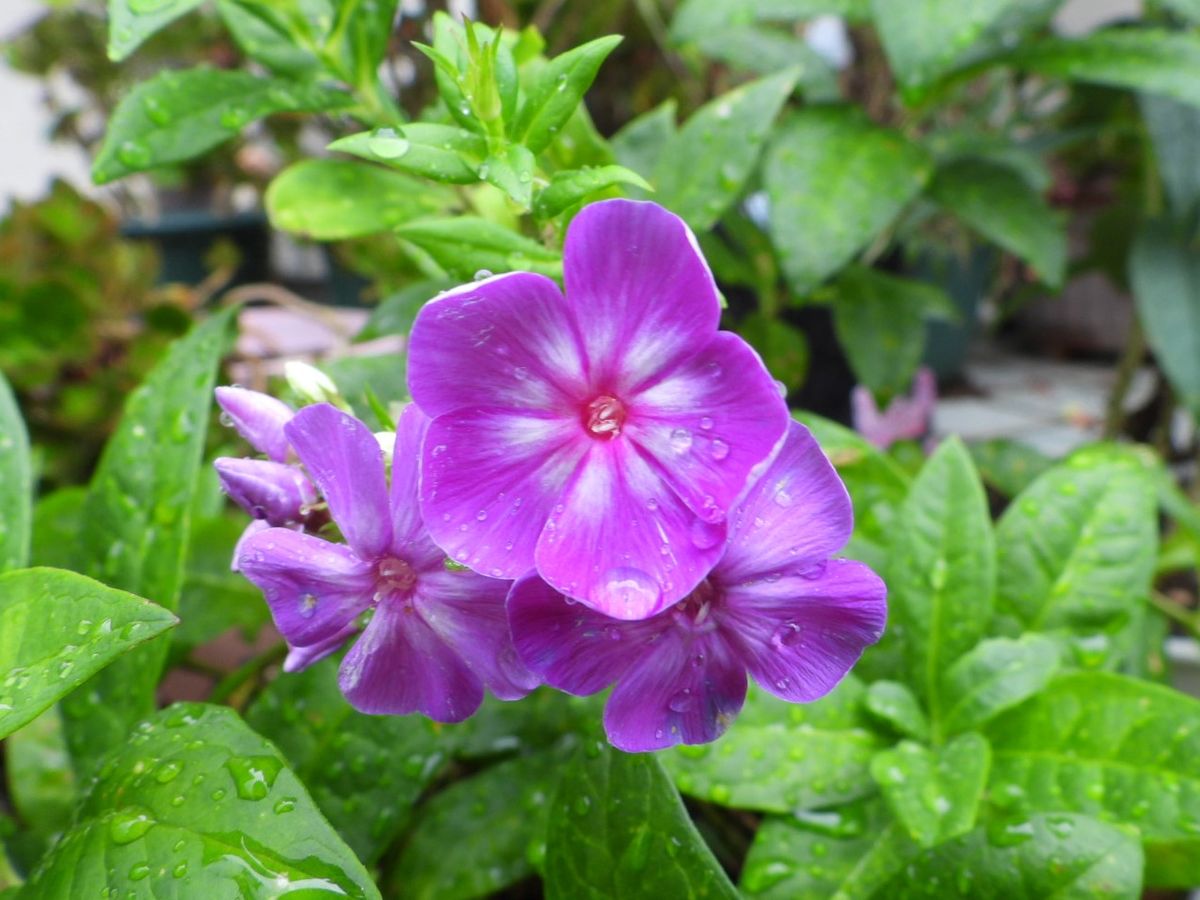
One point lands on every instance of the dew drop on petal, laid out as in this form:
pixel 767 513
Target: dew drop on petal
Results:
pixel 787 635
pixel 706 423
pixel 681 440
pixel 681 701
pixel 705 534
pixel 783 498
pixel 628 592
pixel 719 449
pixel 308 605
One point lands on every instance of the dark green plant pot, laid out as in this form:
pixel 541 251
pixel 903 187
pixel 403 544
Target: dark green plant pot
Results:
pixel 966 280
pixel 185 237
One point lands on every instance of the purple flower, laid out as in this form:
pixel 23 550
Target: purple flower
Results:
pixel 601 437
pixel 775 605
pixel 905 419
pixel 259 418
pixel 436 637
pixel 272 491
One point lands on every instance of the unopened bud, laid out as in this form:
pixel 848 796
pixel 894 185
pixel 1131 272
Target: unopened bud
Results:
pixel 311 385
pixel 258 417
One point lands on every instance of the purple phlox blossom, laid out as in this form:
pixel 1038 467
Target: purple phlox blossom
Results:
pixel 905 419
pixel 600 437
pixel 775 606
pixel 435 637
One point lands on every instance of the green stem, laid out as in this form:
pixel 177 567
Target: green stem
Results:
pixel 248 671
pixel 1176 613
pixel 1131 358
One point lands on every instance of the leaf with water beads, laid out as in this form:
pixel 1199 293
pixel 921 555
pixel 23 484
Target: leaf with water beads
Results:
pixel 16 474
pixel 441 152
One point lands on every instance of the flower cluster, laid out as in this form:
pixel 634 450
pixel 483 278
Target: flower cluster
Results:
pixel 590 490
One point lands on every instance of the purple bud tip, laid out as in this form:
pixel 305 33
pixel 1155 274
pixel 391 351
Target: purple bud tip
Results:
pixel 259 418
pixel 267 490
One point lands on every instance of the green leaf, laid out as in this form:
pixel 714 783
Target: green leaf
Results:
pixel 136 523
pixel 198 805
pixel 1008 465
pixel 934 793
pixel 567 189
pixel 924 38
pixel 511 170
pixel 722 142
pixel 618 829
pixel 268 37
pixel 59 628
pixel 466 245
pixel 364 772
pixel 640 143
pixel 1174 129
pixel 16 474
pixel 998 203
pixel 361 30
pixel 394 314
pixel 41 786
pixel 558 89
pixel 1057 855
pixel 1186 9
pixel 996 675
pixel 879 320
pixel 776 767
pixel 130 22
pixel 894 704
pixel 696 18
pixel 1165 274
pixel 482 833
pixel 1115 747
pixel 1077 548
pixel 440 152
pixel 333 199
pixel 783 347
pixel 840 709
pixel 836 181
pixel 56 522
pixel 1142 59
pixel 765 50
pixel 942 571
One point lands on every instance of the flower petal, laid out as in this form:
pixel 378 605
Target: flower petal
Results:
pixel 401 666
pixel 686 690
pixel 639 289
pixel 507 341
pixel 709 421
pixel 572 647
pixel 467 612
pixel 800 634
pixel 259 418
pixel 622 541
pixel 489 481
pixel 314 588
pixel 346 462
pixel 410 540
pixel 255 526
pixel 266 490
pixel 300 658
pixel 796 515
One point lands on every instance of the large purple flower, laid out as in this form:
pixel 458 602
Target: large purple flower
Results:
pixel 436 637
pixel 775 605
pixel 601 437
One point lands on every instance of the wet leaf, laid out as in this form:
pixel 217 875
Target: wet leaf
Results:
pixel 16 474
pixel 132 21
pixel 996 675
pixel 41 785
pixel 465 245
pixel 893 703
pixel 441 152
pixel 558 89
pixel 639 144
pixel 567 189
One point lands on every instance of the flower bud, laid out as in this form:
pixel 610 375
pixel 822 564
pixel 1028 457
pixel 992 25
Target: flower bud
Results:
pixel 266 490
pixel 258 418
pixel 311 384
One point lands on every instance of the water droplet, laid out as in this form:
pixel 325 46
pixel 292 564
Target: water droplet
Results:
pixel 139 871
pixel 133 155
pixel 582 805
pixel 631 590
pixel 681 701
pixel 129 824
pixel 481 274
pixel 681 440
pixel 719 449
pixel 308 605
pixel 706 423
pixel 168 771
pixel 286 805
pixel 253 776
pixel 720 793
pixel 787 635
pixel 180 870
pixel 385 143
pixel 706 534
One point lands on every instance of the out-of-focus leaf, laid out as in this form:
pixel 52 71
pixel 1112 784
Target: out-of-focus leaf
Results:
pixel 395 313
pixel 441 152
pixel 1175 132
pixel 1007 465
pixel 59 628
pixel 893 702
pixel 267 37
pixel 721 142
pixel 618 829
pixel 41 785
pixel 465 245
pixel 56 519
pixel 999 204
pixel 178 115
pixel 16 474
pixel 639 144
pixel 131 22
pixel 783 348
pixel 765 50
pixel 198 805
pixel 694 19
pixel 332 199
pixel 381 374
pixel 835 181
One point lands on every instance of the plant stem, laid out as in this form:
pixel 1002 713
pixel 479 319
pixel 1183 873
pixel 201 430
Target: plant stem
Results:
pixel 248 671
pixel 1131 358
pixel 1176 613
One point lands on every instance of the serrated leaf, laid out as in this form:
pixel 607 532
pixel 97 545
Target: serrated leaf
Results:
pixel 481 834
pixel 198 805
pixel 465 245
pixel 16 474
pixel 894 704
pixel 131 22
pixel 566 189
pixel 934 793
pixel 942 571
pixel 996 675
pixel 441 152
pixel 364 772
pixel 1164 270
pixel 1077 547
pixel 59 628
pixel 835 181
pixel 999 204
pixel 1056 855
pixel 924 38
pixel 640 143
pixel 1115 747
pixel 136 523
pixel 880 322
pixel 558 89
pixel 722 142
pixel 618 829
pixel 178 115
pixel 333 199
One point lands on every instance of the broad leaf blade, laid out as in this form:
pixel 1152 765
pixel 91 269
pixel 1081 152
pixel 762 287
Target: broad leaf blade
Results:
pixel 996 675
pixel 195 805
pixel 176 116
pixel 640 143
pixel 136 523
pixel 441 152
pixel 618 829
pixel 465 245
pixel 1112 746
pixel 131 22
pixel 552 99
pixel 998 203
pixel 1175 132
pixel 59 628
pixel 567 189
pixel 721 142
pixel 836 181
pixel 16 476
pixel 893 703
